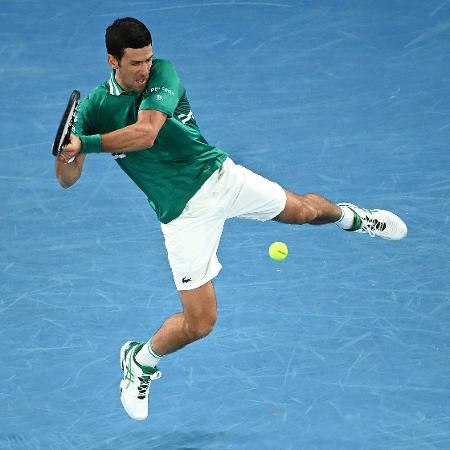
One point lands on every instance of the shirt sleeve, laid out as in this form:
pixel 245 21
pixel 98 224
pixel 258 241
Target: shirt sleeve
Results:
pixel 164 89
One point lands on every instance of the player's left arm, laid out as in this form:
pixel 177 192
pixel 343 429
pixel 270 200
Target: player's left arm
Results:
pixel 137 136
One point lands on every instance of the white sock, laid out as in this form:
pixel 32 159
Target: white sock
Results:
pixel 146 356
pixel 347 218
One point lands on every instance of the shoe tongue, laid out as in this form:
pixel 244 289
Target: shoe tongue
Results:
pixel 146 370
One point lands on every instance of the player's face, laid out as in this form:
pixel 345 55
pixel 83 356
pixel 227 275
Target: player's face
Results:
pixel 133 69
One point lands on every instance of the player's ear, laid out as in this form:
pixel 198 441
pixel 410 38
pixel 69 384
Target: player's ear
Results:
pixel 113 62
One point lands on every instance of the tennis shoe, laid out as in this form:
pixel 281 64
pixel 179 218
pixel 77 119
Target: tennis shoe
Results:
pixel 135 385
pixel 377 223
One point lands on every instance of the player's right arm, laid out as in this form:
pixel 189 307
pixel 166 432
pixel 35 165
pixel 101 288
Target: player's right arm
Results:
pixel 67 174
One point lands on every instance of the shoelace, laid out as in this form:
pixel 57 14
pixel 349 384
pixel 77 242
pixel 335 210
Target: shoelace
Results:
pixel 144 384
pixel 369 225
pixel 143 387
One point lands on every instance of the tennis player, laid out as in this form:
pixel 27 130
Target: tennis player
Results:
pixel 141 115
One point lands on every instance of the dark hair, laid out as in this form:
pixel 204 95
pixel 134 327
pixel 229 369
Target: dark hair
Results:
pixel 126 33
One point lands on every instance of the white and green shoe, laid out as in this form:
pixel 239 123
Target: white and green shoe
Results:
pixel 135 385
pixel 377 223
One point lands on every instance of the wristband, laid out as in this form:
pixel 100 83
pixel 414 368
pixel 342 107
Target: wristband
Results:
pixel 91 144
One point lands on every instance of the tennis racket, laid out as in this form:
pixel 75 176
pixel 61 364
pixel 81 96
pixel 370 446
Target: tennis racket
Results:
pixel 65 126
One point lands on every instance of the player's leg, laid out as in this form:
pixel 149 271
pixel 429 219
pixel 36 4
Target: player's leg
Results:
pixel 261 199
pixel 195 321
pixel 308 208
pixel 191 240
pixel 139 360
pixel 317 210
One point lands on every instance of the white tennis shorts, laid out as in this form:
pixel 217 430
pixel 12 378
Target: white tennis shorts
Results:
pixel 193 237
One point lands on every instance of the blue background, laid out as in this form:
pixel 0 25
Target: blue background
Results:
pixel 345 345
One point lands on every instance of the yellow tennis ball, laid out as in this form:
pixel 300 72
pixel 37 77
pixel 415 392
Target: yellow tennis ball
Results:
pixel 278 251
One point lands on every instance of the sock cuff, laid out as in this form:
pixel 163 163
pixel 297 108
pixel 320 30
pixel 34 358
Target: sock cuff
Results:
pixel 342 215
pixel 347 219
pixel 151 351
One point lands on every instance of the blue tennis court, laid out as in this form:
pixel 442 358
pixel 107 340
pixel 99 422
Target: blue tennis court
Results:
pixel 346 343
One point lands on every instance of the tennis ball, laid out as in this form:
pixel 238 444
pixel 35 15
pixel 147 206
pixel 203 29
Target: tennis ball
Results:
pixel 278 251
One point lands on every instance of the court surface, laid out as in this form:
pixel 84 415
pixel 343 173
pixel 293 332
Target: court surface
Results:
pixel 345 345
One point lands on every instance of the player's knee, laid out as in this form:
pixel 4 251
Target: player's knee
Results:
pixel 202 327
pixel 313 198
pixel 306 212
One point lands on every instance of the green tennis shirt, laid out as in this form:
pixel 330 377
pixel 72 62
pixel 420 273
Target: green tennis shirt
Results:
pixel 180 161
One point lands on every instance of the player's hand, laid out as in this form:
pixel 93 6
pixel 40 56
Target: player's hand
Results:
pixel 70 150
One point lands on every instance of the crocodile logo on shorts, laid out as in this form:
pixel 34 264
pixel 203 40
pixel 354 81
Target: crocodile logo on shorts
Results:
pixel 186 280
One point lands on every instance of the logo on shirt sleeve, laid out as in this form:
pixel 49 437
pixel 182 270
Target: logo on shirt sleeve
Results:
pixel 161 88
pixel 184 118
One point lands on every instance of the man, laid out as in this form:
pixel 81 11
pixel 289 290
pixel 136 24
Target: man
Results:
pixel 141 115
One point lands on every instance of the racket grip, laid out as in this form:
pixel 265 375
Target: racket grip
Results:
pixel 67 138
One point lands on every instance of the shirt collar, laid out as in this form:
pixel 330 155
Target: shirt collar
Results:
pixel 114 87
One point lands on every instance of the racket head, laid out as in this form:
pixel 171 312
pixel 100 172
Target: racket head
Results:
pixel 66 123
